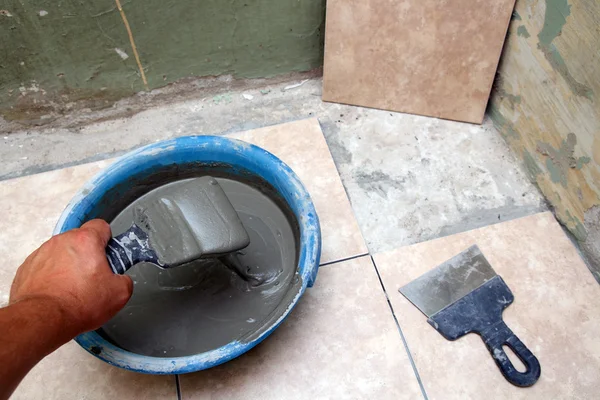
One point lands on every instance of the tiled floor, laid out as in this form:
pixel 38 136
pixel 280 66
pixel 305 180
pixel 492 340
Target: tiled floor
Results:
pixel 33 204
pixel 71 373
pixel 409 178
pixel 342 340
pixel 556 313
pixel 301 145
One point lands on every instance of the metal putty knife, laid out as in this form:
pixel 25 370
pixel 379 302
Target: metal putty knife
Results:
pixel 465 295
pixel 192 220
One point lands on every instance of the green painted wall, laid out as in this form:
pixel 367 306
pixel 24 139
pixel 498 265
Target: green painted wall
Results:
pixel 546 102
pixel 55 52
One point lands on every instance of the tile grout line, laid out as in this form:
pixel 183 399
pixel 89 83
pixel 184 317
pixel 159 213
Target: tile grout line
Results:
pixel 343 259
pixel 412 361
pixel 42 168
pixel 178 387
pixel 177 382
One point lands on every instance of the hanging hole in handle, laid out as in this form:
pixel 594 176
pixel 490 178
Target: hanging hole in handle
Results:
pixel 514 359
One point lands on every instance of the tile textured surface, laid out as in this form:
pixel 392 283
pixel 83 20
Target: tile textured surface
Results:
pixel 556 313
pixel 409 178
pixel 422 57
pixel 32 205
pixel 301 145
pixel 340 341
pixel 71 373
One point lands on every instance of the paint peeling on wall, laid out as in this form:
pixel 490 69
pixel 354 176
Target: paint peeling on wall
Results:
pixel 522 31
pixel 555 18
pixel 508 129
pixel 533 170
pixel 550 62
pixel 121 53
pixel 559 160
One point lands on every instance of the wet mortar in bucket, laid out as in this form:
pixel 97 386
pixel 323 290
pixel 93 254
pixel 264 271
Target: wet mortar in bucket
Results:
pixel 206 304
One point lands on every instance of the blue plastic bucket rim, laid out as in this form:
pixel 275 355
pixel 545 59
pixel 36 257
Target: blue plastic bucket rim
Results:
pixel 194 149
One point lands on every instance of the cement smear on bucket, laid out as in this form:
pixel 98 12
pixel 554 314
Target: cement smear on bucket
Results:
pixel 204 304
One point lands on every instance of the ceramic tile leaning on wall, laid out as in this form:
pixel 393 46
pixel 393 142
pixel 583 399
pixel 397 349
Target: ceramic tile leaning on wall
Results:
pixel 421 57
pixel 340 342
pixel 556 313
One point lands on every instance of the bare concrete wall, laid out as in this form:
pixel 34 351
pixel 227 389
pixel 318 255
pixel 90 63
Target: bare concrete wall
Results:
pixel 546 103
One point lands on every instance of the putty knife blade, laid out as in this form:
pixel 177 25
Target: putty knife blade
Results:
pixel 450 281
pixel 465 295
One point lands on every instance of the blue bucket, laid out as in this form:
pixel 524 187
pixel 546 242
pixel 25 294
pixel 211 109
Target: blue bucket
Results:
pixel 103 196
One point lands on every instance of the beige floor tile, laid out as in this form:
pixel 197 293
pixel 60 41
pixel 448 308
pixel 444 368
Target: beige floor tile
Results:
pixel 31 206
pixel 301 145
pixel 556 313
pixel 340 342
pixel 71 373
pixel 435 58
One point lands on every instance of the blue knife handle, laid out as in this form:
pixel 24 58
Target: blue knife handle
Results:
pixel 128 249
pixel 499 335
pixel 481 312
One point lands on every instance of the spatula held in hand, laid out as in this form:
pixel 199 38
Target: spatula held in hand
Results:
pixel 194 220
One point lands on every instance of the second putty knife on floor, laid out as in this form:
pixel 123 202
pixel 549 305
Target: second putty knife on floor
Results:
pixel 465 295
pixel 194 220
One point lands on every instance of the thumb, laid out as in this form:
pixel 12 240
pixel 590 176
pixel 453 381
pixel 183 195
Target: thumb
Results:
pixel 101 228
pixel 122 289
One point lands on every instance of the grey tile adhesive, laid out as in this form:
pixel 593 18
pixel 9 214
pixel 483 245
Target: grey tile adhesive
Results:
pixel 206 304
pixel 195 220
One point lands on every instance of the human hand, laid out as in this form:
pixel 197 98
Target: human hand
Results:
pixel 71 271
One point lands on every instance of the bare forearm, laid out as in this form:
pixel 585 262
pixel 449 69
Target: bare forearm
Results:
pixel 29 330
pixel 62 289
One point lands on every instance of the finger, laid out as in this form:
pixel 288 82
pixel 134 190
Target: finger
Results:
pixel 101 227
pixel 128 283
pixel 124 288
